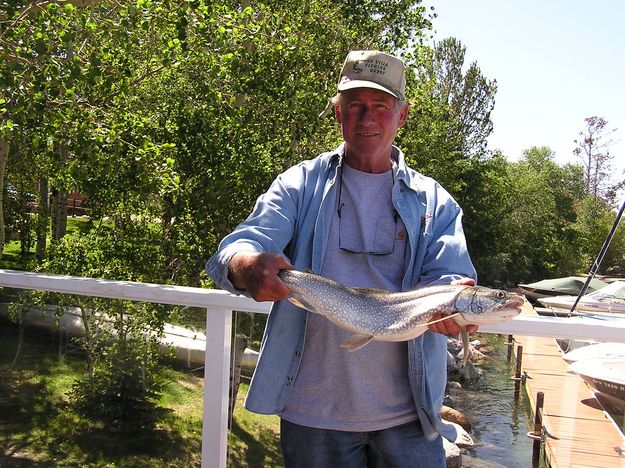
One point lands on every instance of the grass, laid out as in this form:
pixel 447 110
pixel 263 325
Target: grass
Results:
pixel 12 257
pixel 254 439
pixel 38 428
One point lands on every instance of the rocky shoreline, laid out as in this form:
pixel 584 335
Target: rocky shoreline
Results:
pixel 457 374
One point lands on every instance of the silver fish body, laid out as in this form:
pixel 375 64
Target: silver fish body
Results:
pixel 373 314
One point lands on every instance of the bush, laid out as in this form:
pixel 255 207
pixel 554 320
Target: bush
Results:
pixel 124 389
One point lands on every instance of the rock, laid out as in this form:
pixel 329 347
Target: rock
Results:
pixel 463 439
pixel 452 454
pixel 452 449
pixel 455 416
pixel 454 345
pixel 469 372
pixel 452 385
pixel 451 362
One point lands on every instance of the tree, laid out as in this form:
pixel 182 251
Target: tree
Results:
pixel 469 95
pixel 593 149
pixel 172 116
pixel 445 138
pixel 540 240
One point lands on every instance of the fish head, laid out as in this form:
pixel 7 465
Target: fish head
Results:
pixel 481 306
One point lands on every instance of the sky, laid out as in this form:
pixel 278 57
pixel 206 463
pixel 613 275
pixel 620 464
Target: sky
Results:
pixel 556 62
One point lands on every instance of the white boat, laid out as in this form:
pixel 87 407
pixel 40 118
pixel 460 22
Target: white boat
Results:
pixel 189 346
pixel 606 378
pixel 596 351
pixel 608 300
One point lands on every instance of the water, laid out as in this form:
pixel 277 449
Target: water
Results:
pixel 499 424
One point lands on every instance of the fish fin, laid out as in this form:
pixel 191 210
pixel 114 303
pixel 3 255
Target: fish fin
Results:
pixel 356 342
pixel 299 301
pixel 465 345
pixel 308 270
pixel 442 318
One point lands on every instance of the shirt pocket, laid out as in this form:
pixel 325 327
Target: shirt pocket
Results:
pixel 385 234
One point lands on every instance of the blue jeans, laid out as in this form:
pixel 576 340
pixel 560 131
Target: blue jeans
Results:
pixel 402 446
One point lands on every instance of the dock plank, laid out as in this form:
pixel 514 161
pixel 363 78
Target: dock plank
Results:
pixel 586 437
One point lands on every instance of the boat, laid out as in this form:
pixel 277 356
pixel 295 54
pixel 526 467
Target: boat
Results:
pixel 569 285
pixel 189 346
pixel 607 300
pixel 606 378
pixel 596 351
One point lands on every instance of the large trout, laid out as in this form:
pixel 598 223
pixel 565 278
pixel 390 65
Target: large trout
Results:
pixel 374 314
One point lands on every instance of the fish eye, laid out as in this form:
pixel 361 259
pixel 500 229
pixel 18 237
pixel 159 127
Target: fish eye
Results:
pixel 501 294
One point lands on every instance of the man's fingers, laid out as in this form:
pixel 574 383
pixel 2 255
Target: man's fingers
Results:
pixel 448 327
pixel 258 274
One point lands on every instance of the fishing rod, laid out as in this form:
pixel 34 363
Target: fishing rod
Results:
pixel 595 266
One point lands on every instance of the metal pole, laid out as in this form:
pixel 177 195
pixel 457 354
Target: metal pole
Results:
pixel 595 266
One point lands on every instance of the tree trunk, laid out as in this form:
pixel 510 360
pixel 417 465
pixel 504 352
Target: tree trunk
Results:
pixel 4 155
pixel 59 213
pixel 41 228
pixel 59 203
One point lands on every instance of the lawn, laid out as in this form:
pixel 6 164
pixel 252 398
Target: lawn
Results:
pixel 38 428
pixel 12 258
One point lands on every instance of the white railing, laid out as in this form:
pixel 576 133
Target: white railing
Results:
pixel 219 306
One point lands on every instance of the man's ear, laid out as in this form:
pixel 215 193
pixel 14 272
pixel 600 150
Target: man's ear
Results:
pixel 403 113
pixel 337 113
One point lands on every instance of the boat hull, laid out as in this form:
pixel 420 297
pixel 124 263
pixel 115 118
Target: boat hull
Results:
pixel 606 377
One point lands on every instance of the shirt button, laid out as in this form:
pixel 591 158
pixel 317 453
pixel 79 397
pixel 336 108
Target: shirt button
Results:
pixel 401 235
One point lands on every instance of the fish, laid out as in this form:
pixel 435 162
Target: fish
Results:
pixel 379 315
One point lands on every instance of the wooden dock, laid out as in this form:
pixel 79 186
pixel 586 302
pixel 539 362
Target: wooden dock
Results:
pixel 586 436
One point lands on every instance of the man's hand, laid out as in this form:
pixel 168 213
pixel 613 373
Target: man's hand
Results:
pixel 258 274
pixel 449 327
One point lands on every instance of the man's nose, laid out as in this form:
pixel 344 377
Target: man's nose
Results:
pixel 366 115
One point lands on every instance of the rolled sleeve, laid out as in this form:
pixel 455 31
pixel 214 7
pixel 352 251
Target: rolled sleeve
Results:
pixel 268 229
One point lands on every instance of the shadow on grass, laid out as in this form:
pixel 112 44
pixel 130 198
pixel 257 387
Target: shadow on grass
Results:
pixel 38 428
pixel 88 445
pixel 257 447
pixel 23 404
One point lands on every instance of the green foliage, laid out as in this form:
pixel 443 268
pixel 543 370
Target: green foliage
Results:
pixel 121 338
pixel 195 106
pixel 538 223
pixel 35 414
pixel 123 392
pixel 594 221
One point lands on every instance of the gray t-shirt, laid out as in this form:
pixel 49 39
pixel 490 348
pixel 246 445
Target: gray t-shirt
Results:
pixel 367 389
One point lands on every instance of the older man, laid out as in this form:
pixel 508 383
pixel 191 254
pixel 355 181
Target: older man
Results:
pixel 360 216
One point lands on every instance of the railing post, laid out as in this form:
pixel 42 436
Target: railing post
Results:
pixel 216 382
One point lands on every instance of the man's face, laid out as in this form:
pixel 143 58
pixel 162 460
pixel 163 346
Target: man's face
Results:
pixel 370 120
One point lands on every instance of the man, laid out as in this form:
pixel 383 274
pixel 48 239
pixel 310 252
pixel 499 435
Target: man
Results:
pixel 360 216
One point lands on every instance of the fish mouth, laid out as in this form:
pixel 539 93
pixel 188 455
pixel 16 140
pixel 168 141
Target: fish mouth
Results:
pixel 514 303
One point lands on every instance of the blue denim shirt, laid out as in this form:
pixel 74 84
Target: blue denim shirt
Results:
pixel 293 218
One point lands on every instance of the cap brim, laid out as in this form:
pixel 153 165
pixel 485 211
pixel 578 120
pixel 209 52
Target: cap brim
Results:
pixel 352 84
